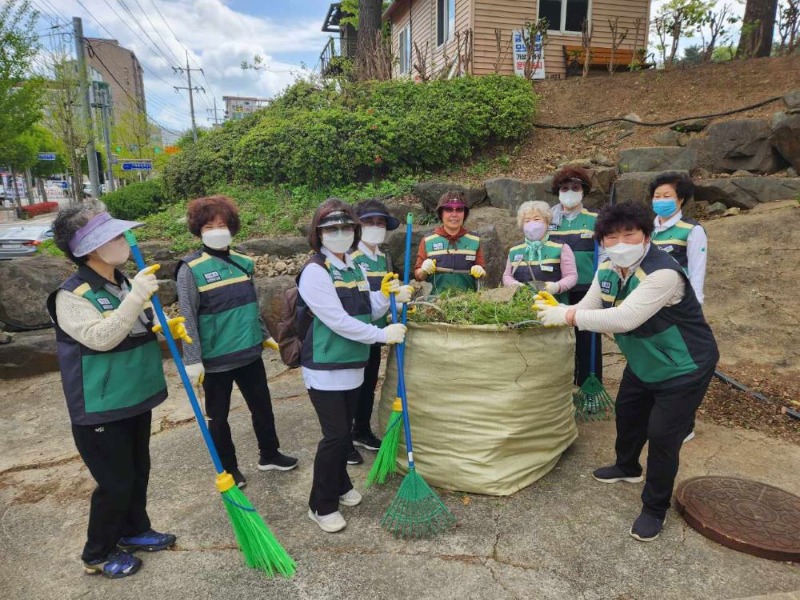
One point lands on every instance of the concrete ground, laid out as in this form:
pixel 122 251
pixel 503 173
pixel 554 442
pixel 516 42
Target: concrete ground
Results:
pixel 564 537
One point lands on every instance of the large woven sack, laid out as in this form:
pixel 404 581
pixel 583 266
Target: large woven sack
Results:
pixel 491 408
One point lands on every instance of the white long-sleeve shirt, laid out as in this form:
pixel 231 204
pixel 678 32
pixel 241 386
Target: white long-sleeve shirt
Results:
pixel 660 288
pixel 696 252
pixel 318 292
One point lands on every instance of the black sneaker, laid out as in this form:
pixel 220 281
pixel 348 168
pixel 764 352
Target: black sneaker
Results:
pixel 368 441
pixel 354 457
pixel 613 474
pixel 279 462
pixel 117 564
pixel 239 479
pixel 646 527
pixel 149 541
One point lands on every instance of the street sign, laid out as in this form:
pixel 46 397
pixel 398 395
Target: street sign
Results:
pixel 47 155
pixel 171 149
pixel 64 185
pixel 136 165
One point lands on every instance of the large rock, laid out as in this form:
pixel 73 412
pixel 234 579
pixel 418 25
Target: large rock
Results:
pixel 30 353
pixel 734 145
pixel 786 139
pixel 167 291
pixel 400 211
pixel 26 283
pixel 277 246
pixel 747 192
pixel 635 186
pixel 493 251
pixel 508 193
pixel 658 158
pixel 792 100
pixel 270 292
pixel 429 193
pixel 506 225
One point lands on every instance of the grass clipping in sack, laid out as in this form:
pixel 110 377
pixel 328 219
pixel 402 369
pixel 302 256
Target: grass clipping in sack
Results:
pixel 502 307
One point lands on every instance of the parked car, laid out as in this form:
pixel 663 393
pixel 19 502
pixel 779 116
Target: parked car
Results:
pixel 24 240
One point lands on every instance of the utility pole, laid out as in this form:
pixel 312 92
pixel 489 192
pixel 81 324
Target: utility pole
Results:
pixel 83 77
pixel 106 112
pixel 215 118
pixel 191 90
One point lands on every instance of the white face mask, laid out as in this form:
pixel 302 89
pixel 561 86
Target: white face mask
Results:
pixel 625 255
pixel 570 199
pixel 218 239
pixel 373 235
pixel 337 241
pixel 114 253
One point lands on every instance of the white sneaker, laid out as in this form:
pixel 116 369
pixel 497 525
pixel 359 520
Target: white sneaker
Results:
pixel 689 437
pixel 351 498
pixel 328 523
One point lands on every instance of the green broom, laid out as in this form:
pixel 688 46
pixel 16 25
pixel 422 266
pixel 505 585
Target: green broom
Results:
pixel 592 402
pixel 258 544
pixel 416 510
pixel 385 464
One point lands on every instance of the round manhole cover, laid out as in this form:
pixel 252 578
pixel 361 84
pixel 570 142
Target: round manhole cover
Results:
pixel 745 515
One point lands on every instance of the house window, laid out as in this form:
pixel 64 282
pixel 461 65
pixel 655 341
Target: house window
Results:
pixel 564 15
pixel 445 20
pixel 404 50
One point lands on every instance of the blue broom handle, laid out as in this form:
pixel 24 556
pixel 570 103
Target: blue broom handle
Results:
pixel 401 384
pixel 407 265
pixel 176 356
pixel 593 346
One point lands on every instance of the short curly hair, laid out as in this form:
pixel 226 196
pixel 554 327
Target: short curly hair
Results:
pixel 680 182
pixel 67 223
pixel 566 173
pixel 202 210
pixel 622 217
pixel 536 207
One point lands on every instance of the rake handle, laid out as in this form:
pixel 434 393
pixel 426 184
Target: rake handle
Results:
pixel 176 356
pixel 401 386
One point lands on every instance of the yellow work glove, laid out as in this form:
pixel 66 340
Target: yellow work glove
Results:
pixel 545 298
pixel 271 344
pixel 390 284
pixel 477 272
pixel 177 329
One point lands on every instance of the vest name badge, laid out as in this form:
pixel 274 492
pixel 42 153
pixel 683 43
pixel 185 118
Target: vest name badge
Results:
pixel 669 248
pixel 363 286
pixel 212 277
pixel 518 258
pixel 438 246
pixel 552 227
pixel 605 286
pixel 337 276
pixel 546 268
pixel 105 303
pixel 587 235
pixel 470 257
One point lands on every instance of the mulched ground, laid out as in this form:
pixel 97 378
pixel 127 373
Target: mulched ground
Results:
pixel 725 405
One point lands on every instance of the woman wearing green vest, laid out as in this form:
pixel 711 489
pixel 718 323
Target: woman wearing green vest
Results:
pixel 645 299
pixel 112 377
pixel 375 221
pixel 452 256
pixel 573 225
pixel 539 262
pixel 217 296
pixel 334 297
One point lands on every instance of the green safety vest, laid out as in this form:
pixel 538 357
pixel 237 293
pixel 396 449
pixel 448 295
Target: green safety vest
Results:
pixel 525 266
pixel 376 269
pixel 675 241
pixel 674 344
pixel 228 320
pixel 324 349
pixel 101 387
pixel 453 261
pixel 578 234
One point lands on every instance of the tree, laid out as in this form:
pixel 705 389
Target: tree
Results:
pixel 677 19
pixel 757 25
pixel 20 92
pixel 373 60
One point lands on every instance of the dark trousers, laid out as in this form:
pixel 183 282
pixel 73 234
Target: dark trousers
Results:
pixel 251 380
pixel 366 397
pixel 661 417
pixel 583 348
pixel 335 411
pixel 117 455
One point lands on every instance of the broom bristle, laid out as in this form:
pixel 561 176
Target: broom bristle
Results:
pixel 258 544
pixel 416 510
pixel 385 463
pixel 592 402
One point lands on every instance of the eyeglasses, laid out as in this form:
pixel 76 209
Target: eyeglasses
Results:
pixel 571 187
pixel 340 229
pixel 458 209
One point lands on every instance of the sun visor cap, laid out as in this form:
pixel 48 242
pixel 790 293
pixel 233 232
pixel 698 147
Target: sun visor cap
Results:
pixel 101 229
pixel 337 217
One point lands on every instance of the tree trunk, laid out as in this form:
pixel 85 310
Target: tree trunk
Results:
pixel 41 188
pixel 757 25
pixel 29 187
pixel 16 187
pixel 368 38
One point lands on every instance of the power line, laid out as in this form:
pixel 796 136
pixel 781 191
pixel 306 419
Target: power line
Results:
pixel 163 41
pixel 135 20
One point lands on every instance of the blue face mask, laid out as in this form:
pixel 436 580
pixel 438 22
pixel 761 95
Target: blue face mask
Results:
pixel 666 207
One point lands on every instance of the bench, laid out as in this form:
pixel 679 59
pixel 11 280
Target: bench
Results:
pixel 598 58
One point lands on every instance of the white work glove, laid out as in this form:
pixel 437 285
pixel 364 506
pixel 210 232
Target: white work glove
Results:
pixel 404 293
pixel 428 266
pixel 145 284
pixel 196 373
pixel 551 316
pixel 477 272
pixel 551 287
pixel 395 333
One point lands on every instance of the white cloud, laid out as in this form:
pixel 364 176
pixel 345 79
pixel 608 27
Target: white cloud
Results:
pixel 218 39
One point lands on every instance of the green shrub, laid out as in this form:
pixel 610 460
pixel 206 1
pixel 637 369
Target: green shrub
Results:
pixel 136 200
pixel 332 136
